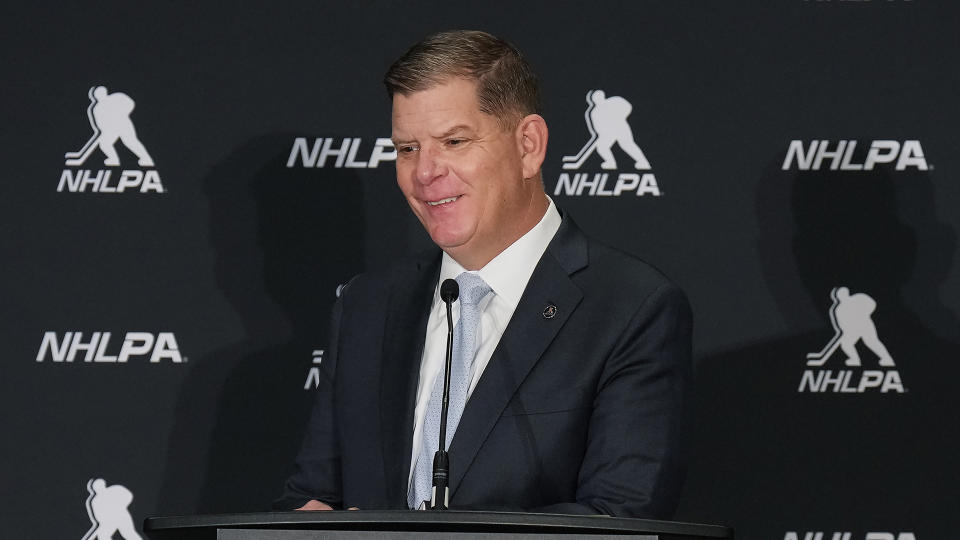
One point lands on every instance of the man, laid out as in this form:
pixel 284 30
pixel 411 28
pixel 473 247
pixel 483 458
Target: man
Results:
pixel 572 360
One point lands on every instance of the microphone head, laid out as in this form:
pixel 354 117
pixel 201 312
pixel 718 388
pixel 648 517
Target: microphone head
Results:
pixel 449 291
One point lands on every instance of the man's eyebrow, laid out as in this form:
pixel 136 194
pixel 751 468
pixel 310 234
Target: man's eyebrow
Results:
pixel 455 129
pixel 397 140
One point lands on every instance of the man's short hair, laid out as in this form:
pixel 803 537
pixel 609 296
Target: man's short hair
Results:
pixel 507 87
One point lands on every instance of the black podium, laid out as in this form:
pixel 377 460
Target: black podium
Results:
pixel 403 525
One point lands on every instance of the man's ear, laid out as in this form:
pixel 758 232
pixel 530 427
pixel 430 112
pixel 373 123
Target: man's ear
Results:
pixel 532 138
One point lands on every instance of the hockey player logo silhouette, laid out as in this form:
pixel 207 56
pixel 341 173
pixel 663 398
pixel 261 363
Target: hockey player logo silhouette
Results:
pixel 109 116
pixel 607 122
pixel 850 315
pixel 107 508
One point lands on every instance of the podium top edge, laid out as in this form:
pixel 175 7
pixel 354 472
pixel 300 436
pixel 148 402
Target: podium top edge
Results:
pixel 449 518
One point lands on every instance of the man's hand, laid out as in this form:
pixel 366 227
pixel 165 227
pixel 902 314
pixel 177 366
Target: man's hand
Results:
pixel 315 505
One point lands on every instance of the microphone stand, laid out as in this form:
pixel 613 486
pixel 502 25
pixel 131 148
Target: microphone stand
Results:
pixel 440 494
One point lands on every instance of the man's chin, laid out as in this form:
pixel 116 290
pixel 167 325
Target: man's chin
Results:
pixel 447 240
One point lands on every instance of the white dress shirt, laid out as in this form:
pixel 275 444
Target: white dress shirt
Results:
pixel 507 275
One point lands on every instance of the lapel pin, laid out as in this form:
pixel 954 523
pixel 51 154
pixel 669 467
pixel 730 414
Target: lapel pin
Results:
pixel 550 311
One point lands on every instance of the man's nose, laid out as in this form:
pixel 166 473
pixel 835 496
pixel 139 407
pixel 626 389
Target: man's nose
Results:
pixel 429 166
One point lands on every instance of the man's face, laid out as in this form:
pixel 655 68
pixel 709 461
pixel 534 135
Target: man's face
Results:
pixel 460 171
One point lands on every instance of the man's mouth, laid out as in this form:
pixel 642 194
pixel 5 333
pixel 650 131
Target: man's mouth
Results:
pixel 443 201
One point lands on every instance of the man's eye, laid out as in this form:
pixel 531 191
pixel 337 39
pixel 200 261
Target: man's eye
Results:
pixel 407 149
pixel 455 142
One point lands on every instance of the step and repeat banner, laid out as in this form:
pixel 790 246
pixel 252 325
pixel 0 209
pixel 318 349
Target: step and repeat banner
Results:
pixel 186 186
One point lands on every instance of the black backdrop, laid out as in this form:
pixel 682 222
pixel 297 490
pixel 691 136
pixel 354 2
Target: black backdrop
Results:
pixel 234 262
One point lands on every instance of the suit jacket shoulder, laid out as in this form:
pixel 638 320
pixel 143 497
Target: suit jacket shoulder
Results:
pixel 611 280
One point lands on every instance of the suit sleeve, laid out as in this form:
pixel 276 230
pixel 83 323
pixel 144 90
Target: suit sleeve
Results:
pixel 636 454
pixel 317 467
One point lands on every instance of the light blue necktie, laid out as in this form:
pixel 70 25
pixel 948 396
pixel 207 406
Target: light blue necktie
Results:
pixel 465 336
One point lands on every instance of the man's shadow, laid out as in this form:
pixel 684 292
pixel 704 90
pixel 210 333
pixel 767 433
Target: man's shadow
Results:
pixel 768 459
pixel 283 239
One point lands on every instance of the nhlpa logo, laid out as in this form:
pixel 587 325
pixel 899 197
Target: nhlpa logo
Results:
pixel 72 346
pixel 607 124
pixel 313 376
pixel 822 154
pixel 851 317
pixel 319 153
pixel 109 116
pixel 847 535
pixel 107 507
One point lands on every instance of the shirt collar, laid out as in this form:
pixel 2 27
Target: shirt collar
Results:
pixel 508 273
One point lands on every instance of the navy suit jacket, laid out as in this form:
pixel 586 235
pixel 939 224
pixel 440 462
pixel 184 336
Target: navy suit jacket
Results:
pixel 584 412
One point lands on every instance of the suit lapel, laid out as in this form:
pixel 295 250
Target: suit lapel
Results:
pixel 407 311
pixel 526 337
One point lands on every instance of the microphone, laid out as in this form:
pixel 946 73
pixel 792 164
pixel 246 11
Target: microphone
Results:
pixel 449 291
pixel 440 499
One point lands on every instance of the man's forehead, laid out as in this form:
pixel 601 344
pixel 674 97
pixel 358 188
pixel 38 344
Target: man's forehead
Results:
pixel 443 127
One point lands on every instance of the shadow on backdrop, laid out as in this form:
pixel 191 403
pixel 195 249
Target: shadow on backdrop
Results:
pixel 836 461
pixel 283 239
